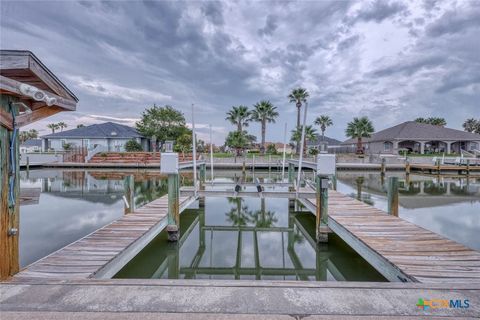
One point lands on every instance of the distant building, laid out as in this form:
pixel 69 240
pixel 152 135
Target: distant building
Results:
pixel 315 143
pixel 31 145
pixel 108 136
pixel 418 138
pixel 279 147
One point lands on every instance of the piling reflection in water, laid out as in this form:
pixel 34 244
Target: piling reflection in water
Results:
pixel 248 238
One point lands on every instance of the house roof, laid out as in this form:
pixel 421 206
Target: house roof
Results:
pixel 101 130
pixel 412 130
pixel 318 139
pixel 32 143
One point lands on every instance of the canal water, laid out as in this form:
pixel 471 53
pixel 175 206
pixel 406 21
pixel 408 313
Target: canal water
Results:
pixel 241 238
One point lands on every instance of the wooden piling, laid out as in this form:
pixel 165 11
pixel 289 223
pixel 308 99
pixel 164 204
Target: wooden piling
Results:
pixel 321 209
pixel 129 186
pixel 468 166
pixel 383 166
pixel 173 207
pixel 392 195
pixel 9 211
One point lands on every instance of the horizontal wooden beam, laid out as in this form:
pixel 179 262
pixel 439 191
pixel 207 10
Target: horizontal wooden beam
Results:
pixel 6 119
pixel 12 87
pixel 36 115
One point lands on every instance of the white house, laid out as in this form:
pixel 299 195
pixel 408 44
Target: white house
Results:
pixel 31 145
pixel 108 136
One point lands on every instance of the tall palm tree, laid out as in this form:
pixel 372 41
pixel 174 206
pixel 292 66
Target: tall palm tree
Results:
pixel 264 112
pixel 323 121
pixel 298 96
pixel 359 128
pixel 53 127
pixel 62 125
pixel 310 134
pixel 239 116
pixel 471 125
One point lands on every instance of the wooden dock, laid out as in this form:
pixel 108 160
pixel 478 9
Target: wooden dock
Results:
pixel 400 250
pixel 445 168
pixel 104 252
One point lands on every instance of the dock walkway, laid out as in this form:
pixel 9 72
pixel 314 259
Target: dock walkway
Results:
pixel 104 252
pixel 400 250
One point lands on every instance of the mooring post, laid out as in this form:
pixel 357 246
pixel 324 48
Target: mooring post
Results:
pixel 468 167
pixel 383 166
pixel 322 208
pixel 392 194
pixel 203 172
pixel 437 163
pixel 269 163
pixel 169 166
pixel 407 167
pixel 334 182
pixel 326 167
pixel 28 165
pixel 129 196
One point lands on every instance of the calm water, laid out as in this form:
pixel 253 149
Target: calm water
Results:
pixel 235 238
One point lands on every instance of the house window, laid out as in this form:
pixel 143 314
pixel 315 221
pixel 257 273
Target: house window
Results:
pixel 387 146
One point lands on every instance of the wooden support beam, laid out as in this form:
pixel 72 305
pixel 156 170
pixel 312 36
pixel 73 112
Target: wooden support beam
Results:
pixel 173 207
pixel 11 86
pixel 6 118
pixel 129 186
pixel 322 209
pixel 36 115
pixel 9 211
pixel 392 194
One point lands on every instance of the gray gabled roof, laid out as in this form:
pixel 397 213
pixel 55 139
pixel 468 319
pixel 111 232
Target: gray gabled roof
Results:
pixel 102 130
pixel 32 143
pixel 412 130
pixel 318 139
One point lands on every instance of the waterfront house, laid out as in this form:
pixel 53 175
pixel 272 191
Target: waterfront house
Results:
pixel 108 136
pixel 330 142
pixel 419 138
pixel 31 145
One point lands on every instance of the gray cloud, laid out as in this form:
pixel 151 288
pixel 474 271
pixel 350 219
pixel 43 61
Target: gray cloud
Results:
pixel 380 10
pixel 120 57
pixel 454 21
pixel 270 26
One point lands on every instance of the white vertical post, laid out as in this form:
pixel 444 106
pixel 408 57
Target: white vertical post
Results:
pixel 211 155
pixel 284 151
pixel 194 142
pixel 301 147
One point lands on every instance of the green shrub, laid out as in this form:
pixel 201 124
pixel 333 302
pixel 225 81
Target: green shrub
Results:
pixel 132 146
pixel 271 149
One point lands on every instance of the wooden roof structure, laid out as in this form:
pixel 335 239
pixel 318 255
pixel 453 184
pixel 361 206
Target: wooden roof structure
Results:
pixel 21 69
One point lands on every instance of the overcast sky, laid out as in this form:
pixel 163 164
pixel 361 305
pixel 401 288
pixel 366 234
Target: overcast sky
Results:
pixel 389 60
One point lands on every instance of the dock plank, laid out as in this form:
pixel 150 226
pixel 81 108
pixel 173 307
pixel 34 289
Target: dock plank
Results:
pixel 84 258
pixel 419 254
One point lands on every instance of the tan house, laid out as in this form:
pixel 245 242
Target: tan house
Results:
pixel 418 138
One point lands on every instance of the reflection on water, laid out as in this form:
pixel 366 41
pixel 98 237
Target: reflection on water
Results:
pixel 447 206
pixel 73 204
pixel 248 238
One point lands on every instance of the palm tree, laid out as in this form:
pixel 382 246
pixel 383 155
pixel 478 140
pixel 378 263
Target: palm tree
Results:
pixel 53 127
pixel 239 116
pixel 32 134
pixel 359 128
pixel 264 112
pixel 324 122
pixel 62 125
pixel 80 126
pixel 310 134
pixel 298 96
pixel 471 125
pixel 437 121
pixel 237 140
